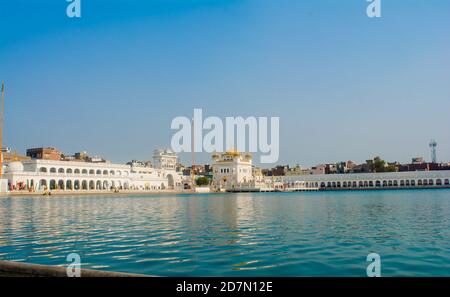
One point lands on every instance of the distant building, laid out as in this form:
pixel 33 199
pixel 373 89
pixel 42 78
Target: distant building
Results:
pixel 277 171
pixel 83 175
pixel 9 156
pixel 367 167
pixel 44 153
pixel 83 156
pixel 232 170
pixel 298 170
pixel 6 150
pixel 341 167
pixel 257 174
pixel 136 163
pixel 96 159
pixel 195 169
pixel 417 160
pixel 423 167
pixel 179 167
pixel 165 159
pixel 331 169
pixel 295 170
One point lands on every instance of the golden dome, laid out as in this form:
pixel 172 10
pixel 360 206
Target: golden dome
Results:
pixel 233 153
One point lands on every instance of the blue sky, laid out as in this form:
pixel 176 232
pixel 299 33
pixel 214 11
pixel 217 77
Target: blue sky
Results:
pixel 344 86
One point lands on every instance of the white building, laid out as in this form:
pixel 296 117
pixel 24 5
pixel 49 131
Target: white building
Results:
pixel 41 175
pixel 408 179
pixel 232 171
pixel 165 159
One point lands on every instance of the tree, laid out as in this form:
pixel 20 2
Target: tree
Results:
pixel 379 165
pixel 202 181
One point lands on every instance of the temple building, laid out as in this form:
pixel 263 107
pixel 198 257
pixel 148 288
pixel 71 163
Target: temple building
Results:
pixel 232 171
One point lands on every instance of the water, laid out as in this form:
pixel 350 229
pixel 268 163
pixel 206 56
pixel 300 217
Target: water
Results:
pixel 272 234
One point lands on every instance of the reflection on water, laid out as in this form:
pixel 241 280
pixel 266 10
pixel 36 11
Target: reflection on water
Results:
pixel 295 234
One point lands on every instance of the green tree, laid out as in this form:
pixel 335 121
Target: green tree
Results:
pixel 202 181
pixel 379 165
pixel 391 168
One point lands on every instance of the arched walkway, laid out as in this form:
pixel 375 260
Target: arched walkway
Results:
pixel 52 184
pixel 43 184
pixel 170 181
pixel 69 185
pixel 61 185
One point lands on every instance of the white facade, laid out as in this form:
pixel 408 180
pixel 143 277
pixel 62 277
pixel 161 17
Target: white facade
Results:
pixel 407 179
pixel 232 170
pixel 41 175
pixel 165 159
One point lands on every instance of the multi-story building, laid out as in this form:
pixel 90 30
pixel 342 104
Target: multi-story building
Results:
pixel 232 170
pixel 165 159
pixel 43 174
pixel 279 170
pixel 44 153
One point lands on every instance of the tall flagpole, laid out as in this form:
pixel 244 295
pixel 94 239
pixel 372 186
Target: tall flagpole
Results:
pixel 1 129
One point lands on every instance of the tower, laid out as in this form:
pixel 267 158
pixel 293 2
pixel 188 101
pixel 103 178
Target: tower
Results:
pixel 433 145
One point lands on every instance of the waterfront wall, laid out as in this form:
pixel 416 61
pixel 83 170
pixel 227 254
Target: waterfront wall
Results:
pixel 413 179
pixel 43 175
pixel 17 269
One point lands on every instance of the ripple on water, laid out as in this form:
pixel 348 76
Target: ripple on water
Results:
pixel 297 234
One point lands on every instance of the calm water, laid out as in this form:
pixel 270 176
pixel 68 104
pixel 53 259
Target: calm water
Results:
pixel 295 234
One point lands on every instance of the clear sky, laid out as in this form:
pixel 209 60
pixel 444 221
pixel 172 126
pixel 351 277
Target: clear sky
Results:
pixel 344 86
